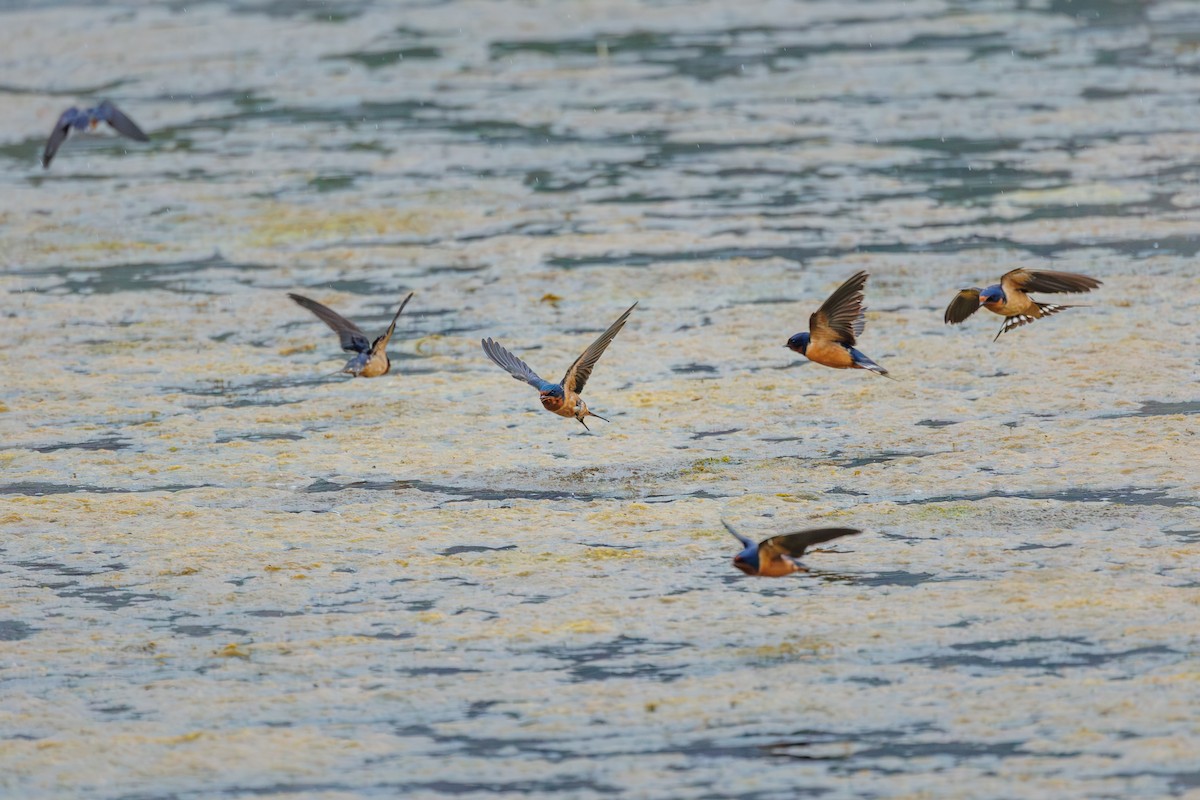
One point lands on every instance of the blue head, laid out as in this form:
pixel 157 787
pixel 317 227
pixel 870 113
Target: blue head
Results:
pixel 799 343
pixel 992 294
pixel 555 391
pixel 747 560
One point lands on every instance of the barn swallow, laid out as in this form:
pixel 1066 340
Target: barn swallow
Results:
pixel 834 328
pixel 86 120
pixel 1008 298
pixel 777 556
pixel 560 398
pixel 372 359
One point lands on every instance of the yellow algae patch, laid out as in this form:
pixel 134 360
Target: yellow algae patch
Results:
pixel 551 299
pixel 233 650
pixel 610 554
pixel 183 738
pixel 1095 194
pixel 293 224
pixel 427 345
pixel 585 626
pixel 705 465
pixel 805 646
pixel 709 533
pixel 798 497
pixel 180 573
pixel 116 347
pixel 344 639
pixel 105 246
pixel 648 399
pixel 946 511
pixel 290 565
pixel 291 351
pixel 1181 677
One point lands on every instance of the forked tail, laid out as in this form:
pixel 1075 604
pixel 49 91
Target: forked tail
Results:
pixel 589 413
pixel 1017 320
pixel 862 362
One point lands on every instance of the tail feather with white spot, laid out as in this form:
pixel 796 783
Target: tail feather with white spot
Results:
pixel 1016 321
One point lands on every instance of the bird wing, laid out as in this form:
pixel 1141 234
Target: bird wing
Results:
pixel 1037 280
pixel 57 136
pixel 581 370
pixel 746 542
pixel 352 337
pixel 794 544
pixel 841 317
pixel 121 123
pixel 513 365
pixel 964 304
pixel 380 344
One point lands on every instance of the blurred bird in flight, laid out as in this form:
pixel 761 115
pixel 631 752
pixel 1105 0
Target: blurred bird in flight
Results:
pixel 371 358
pixel 777 556
pixel 86 120
pixel 560 398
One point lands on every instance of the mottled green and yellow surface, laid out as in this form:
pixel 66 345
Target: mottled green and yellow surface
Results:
pixel 224 575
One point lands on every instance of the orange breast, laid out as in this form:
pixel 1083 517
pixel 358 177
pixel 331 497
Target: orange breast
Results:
pixel 1013 306
pixel 378 365
pixel 556 405
pixel 776 568
pixel 829 354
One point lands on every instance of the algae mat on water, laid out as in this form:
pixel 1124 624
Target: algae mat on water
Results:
pixel 228 575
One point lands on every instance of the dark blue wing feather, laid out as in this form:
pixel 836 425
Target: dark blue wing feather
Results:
pixel 514 366
pixel 746 542
pixel 120 123
pixel 58 135
pixel 351 336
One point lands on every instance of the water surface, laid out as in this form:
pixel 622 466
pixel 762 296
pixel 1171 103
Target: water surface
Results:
pixel 226 575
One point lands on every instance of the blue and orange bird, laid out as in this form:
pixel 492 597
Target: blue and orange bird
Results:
pixel 371 358
pixel 834 328
pixel 778 556
pixel 1008 298
pixel 560 398
pixel 87 120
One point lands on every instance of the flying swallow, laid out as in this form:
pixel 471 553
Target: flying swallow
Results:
pixel 834 328
pixel 1008 298
pixel 777 556
pixel 86 120
pixel 371 358
pixel 560 398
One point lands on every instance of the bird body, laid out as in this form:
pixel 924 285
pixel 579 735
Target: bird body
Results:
pixel 778 555
pixel 86 120
pixel 563 403
pixel 370 359
pixel 560 398
pixel 834 328
pixel 1010 299
pixel 830 354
